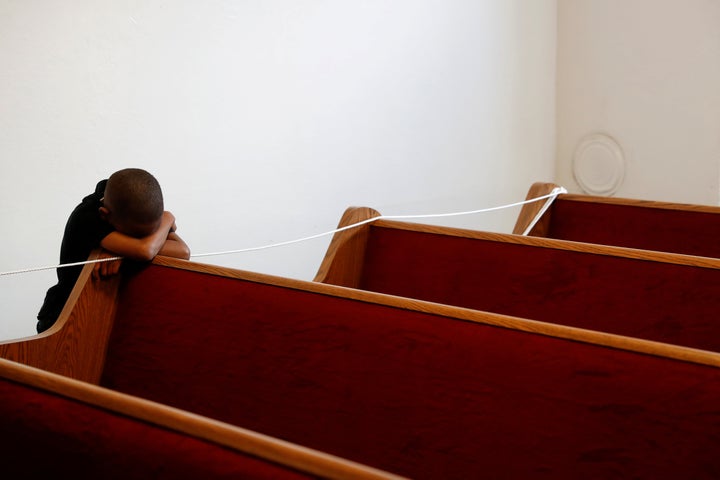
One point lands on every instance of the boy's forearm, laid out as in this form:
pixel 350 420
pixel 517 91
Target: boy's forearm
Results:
pixel 145 248
pixel 174 246
pixel 152 244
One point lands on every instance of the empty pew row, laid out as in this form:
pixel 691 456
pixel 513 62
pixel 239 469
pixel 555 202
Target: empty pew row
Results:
pixel 57 427
pixel 650 225
pixel 651 295
pixel 418 389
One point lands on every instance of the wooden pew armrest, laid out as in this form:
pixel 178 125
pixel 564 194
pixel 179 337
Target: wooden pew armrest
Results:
pixel 76 345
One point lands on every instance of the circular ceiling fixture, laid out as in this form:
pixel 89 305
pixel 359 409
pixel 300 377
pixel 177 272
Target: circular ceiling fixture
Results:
pixel 599 165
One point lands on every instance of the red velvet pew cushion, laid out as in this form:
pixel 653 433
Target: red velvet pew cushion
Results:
pixel 652 300
pixel 49 436
pixel 678 231
pixel 416 394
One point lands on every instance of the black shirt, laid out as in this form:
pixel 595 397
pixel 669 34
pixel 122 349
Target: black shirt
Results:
pixel 83 233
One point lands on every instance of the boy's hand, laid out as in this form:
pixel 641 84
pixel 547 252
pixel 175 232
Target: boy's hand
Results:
pixel 108 268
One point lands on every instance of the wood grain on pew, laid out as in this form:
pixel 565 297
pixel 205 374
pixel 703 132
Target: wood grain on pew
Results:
pixel 689 229
pixel 529 211
pixel 75 345
pixel 54 425
pixel 658 296
pixel 415 388
pixel 638 345
pixel 346 269
pixel 418 393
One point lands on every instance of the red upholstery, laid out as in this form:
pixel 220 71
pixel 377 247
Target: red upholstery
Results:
pixel 651 300
pixel 48 436
pixel 678 231
pixel 411 393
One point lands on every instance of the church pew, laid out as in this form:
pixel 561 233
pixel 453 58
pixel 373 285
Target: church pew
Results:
pixel 643 224
pixel 56 427
pixel 418 389
pixel 652 295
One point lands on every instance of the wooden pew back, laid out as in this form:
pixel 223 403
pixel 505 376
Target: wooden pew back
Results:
pixel 75 346
pixel 649 225
pixel 661 297
pixel 421 390
pixel 54 426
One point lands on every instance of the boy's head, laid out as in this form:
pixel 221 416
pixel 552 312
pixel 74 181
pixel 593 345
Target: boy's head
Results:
pixel 133 202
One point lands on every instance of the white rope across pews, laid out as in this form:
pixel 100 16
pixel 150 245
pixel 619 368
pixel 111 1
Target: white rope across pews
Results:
pixel 549 198
pixel 50 267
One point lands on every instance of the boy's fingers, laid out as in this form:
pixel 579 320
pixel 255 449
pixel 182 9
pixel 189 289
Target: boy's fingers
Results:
pixel 106 269
pixel 114 267
pixel 96 271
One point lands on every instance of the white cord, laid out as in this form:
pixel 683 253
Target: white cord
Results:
pixel 550 197
pixel 50 267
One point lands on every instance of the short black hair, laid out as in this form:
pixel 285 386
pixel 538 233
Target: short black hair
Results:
pixel 135 195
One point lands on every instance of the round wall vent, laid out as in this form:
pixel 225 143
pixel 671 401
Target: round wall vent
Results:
pixel 599 165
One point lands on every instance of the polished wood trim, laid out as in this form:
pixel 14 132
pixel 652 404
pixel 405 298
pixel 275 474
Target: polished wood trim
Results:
pixel 688 207
pixel 223 434
pixel 529 211
pixel 76 345
pixel 590 248
pixel 537 189
pixel 481 317
pixel 338 266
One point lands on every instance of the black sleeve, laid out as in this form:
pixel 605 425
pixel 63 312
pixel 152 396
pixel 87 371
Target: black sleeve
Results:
pixel 84 231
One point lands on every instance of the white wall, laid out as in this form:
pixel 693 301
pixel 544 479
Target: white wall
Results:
pixel 264 120
pixel 647 73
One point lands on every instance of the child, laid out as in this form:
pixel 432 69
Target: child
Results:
pixel 126 217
